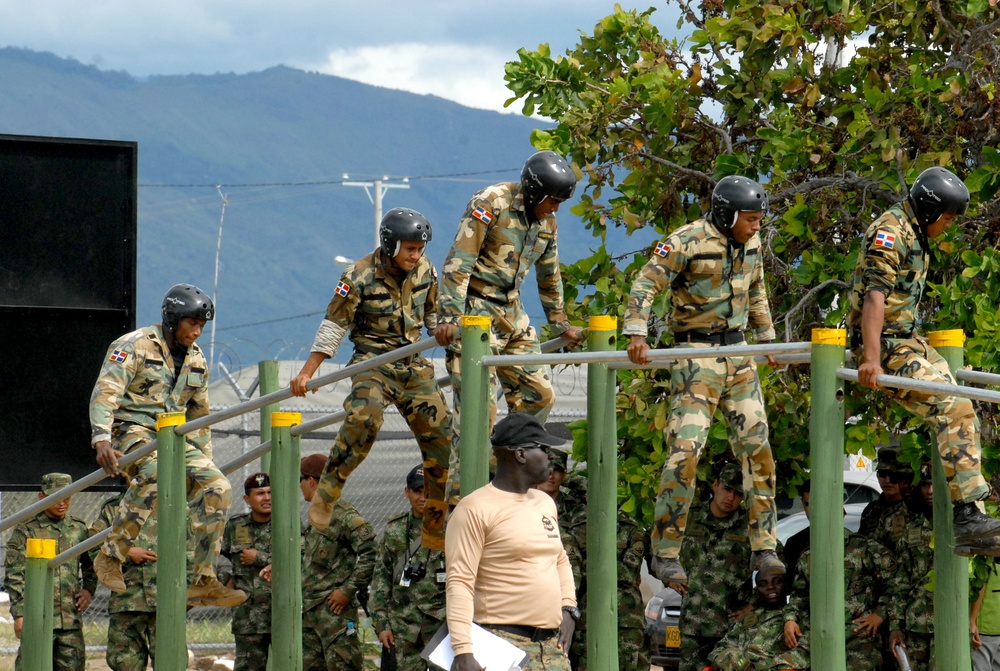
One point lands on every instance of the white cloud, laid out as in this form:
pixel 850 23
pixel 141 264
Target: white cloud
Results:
pixel 471 76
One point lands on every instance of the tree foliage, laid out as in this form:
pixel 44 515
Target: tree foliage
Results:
pixel 836 106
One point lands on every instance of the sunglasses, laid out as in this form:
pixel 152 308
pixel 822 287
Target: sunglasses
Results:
pixel 528 446
pixel 894 477
pixel 304 477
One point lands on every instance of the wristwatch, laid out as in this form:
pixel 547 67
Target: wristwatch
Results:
pixel 573 611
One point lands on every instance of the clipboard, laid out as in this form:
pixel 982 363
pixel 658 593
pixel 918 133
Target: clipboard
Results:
pixel 490 650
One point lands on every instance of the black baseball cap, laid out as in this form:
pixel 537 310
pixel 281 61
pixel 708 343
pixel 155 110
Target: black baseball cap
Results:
pixel 520 428
pixel 415 478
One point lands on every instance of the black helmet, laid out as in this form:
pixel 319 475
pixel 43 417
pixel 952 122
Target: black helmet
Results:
pixel 734 194
pixel 546 173
pixel 401 224
pixel 935 192
pixel 185 300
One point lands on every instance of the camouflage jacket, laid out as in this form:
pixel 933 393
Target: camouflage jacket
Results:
pixel 342 556
pixel 381 312
pixel 70 578
pixel 137 382
pixel 253 616
pixel 632 546
pixel 494 249
pixel 868 567
pixel 714 285
pixel 892 261
pixel 405 609
pixel 140 579
pixel 890 526
pixel 716 556
pixel 873 519
pixel 756 642
pixel 910 590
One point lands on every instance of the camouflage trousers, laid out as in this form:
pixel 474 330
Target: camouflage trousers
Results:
pixel 953 419
pixel 920 650
pixel 251 652
pixel 863 652
pixel 411 386
pixel 633 650
pixel 209 495
pixel 694 651
pixel 68 651
pixel 131 641
pixel 698 387
pixel 326 643
pixel 408 649
pixel 525 388
pixel 542 655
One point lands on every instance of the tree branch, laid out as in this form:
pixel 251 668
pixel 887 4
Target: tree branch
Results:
pixel 697 174
pixel 805 299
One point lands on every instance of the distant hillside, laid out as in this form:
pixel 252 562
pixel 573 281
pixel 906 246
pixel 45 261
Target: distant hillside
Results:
pixel 260 136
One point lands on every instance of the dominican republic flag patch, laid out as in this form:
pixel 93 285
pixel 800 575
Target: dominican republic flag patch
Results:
pixel 118 356
pixel 343 288
pixel 662 249
pixel 483 215
pixel 885 239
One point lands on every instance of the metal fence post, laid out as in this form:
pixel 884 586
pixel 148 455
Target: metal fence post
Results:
pixel 267 373
pixel 39 593
pixel 286 545
pixel 951 572
pixel 826 519
pixel 475 412
pixel 602 501
pixel 171 544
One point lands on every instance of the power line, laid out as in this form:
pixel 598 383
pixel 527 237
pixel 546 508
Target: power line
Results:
pixel 341 181
pixel 272 321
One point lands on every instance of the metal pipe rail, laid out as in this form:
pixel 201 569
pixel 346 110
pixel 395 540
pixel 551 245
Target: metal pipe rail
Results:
pixel 926 387
pixel 977 377
pixel 619 359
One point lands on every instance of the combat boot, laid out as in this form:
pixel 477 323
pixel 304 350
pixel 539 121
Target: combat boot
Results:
pixel 667 570
pixel 988 547
pixel 208 591
pixel 109 572
pixel 766 560
pixel 320 512
pixel 972 524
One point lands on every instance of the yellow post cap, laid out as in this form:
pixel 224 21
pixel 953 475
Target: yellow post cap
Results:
pixel 41 548
pixel 476 320
pixel 285 418
pixel 165 419
pixel 829 337
pixel 949 338
pixel 603 323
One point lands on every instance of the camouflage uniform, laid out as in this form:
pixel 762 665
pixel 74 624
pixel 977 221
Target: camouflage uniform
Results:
pixel 867 569
pixel 716 288
pixel 894 262
pixel 136 383
pixel 910 593
pixel 252 618
pixel 632 545
pixel 495 247
pixel 68 650
pixel 383 315
pixel 756 643
pixel 716 559
pixel 873 519
pixel 415 612
pixel 342 556
pixel 132 625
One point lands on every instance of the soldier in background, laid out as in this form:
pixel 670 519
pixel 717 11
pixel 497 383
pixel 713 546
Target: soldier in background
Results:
pixel 383 299
pixel 890 474
pixel 132 621
pixel 718 588
pixel 714 270
pixel 507 229
pixel 74 581
pixel 246 543
pixel 337 563
pixel 408 590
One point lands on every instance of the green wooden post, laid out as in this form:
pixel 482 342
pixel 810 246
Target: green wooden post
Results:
pixel 171 544
pixel 951 572
pixel 267 373
pixel 826 517
pixel 473 442
pixel 602 501
pixel 39 593
pixel 286 548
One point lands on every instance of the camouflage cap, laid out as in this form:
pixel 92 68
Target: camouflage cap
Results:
pixel 256 481
pixel 53 482
pixel 731 476
pixel 888 458
pixel 415 478
pixel 559 458
pixel 313 465
pixel 520 428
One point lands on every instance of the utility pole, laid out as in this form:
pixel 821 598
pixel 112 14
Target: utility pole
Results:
pixel 379 186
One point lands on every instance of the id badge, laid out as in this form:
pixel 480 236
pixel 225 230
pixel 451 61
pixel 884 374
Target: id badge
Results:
pixel 441 576
pixel 404 582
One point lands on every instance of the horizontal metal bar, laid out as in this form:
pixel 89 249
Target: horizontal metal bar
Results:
pixel 927 387
pixel 780 359
pixel 668 354
pixel 79 548
pixel 977 377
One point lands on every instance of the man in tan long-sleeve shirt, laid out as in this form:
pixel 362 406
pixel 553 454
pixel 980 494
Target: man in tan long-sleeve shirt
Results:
pixel 507 569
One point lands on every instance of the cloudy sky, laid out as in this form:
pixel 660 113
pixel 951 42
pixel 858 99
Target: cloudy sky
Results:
pixel 452 48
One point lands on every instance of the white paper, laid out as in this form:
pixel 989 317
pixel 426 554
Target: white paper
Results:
pixel 492 652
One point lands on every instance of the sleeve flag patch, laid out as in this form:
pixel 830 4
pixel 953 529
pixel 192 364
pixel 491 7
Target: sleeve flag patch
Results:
pixel 885 239
pixel 483 215
pixel 343 288
pixel 662 249
pixel 118 356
